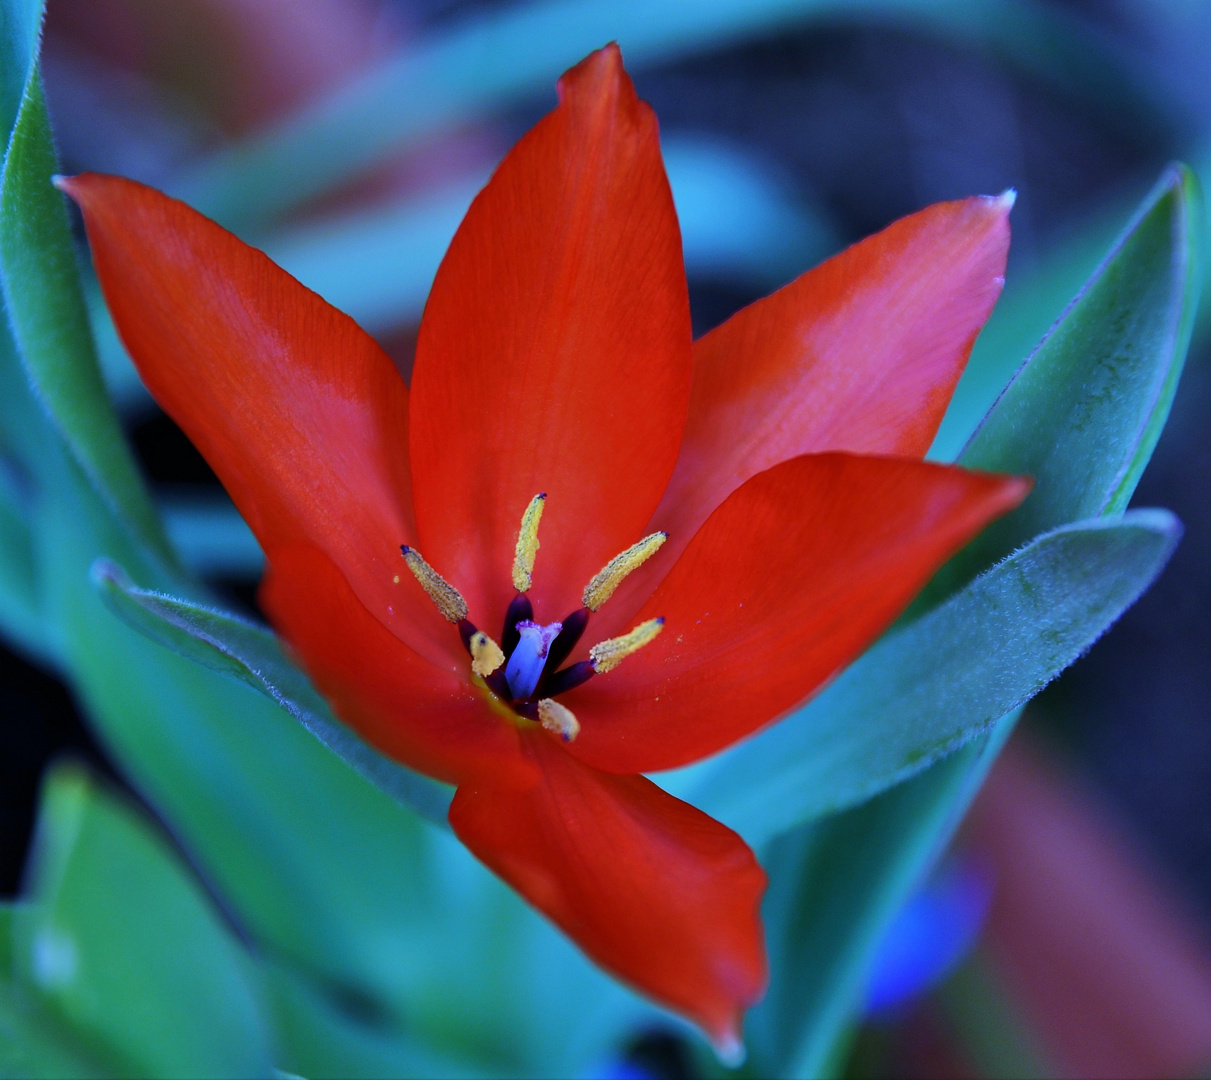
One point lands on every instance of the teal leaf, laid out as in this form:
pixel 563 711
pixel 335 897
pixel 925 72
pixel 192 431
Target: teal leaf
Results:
pixel 319 863
pixel 1083 414
pixel 20 608
pixel 852 899
pixel 46 311
pixel 8 913
pixel 20 23
pixel 35 1046
pixel 835 885
pixel 122 946
pixel 925 690
pixel 250 653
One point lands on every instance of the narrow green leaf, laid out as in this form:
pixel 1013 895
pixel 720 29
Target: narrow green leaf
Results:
pixel 925 690
pixel 8 912
pixel 848 902
pixel 36 1046
pixel 251 654
pixel 20 609
pixel 320 864
pixel 318 1038
pixel 20 22
pixel 46 310
pixel 835 885
pixel 1083 414
pixel 987 1020
pixel 121 944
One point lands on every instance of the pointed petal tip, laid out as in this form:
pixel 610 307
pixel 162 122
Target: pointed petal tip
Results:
pixel 1006 199
pixel 604 63
pixel 1015 490
pixel 729 1048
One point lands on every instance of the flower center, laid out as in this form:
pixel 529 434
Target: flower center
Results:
pixel 524 671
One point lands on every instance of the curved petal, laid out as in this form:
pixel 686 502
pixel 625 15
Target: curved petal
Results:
pixel 554 353
pixel 650 887
pixel 301 414
pixel 860 354
pixel 786 583
pixel 426 715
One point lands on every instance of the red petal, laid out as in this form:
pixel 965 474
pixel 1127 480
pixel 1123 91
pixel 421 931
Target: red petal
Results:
pixel 554 353
pixel 860 354
pixel 425 715
pixel 650 887
pixel 301 414
pixel 788 581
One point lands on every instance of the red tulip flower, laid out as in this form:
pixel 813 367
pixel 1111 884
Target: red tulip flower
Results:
pixel 724 523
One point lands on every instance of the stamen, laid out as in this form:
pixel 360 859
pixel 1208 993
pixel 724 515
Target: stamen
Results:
pixel 520 610
pixel 559 719
pixel 568 679
pixel 529 658
pixel 445 596
pixel 607 655
pixel 486 655
pixel 561 648
pixel 610 576
pixel 527 543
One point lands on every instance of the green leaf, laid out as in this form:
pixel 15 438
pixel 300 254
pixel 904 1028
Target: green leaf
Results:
pixel 932 686
pixel 122 946
pixel 20 23
pixel 319 1038
pixel 1083 414
pixel 252 654
pixel 849 900
pixel 46 310
pixel 37 1046
pixel 988 1023
pixel 8 912
pixel 835 886
pixel 321 865
pixel 20 610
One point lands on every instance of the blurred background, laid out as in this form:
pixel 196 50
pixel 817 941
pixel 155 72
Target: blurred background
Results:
pixel 1067 934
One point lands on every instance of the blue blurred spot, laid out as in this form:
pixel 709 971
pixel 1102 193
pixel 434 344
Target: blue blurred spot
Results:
pixel 932 933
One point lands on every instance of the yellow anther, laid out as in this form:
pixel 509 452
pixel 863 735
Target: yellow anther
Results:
pixel 486 655
pixel 558 718
pixel 527 543
pixel 607 655
pixel 610 576
pixel 447 598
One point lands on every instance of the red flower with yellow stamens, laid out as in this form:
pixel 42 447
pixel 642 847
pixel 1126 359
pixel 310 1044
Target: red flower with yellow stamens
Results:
pixel 621 551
